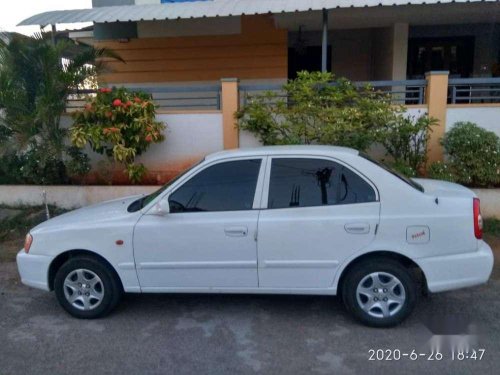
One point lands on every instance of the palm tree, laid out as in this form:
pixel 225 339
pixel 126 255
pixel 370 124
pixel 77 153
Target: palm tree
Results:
pixel 36 77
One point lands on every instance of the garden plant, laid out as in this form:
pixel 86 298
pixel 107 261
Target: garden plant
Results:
pixel 119 124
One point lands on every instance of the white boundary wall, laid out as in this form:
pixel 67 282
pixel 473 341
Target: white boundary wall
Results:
pixel 78 196
pixel 487 117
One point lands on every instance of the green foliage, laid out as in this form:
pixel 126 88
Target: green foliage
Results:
pixel 316 111
pixel 492 227
pixel 473 155
pixel 9 169
pixel 41 166
pixel 403 168
pixel 79 163
pixel 120 124
pixel 441 171
pixel 405 139
pixel 36 78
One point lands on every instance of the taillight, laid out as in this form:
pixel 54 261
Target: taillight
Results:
pixel 27 243
pixel 478 219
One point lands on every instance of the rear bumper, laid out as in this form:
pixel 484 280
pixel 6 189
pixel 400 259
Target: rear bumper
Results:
pixel 456 271
pixel 34 269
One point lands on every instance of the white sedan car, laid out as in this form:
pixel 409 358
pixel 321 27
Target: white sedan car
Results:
pixel 296 219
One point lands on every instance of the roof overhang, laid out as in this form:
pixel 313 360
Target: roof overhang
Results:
pixel 212 8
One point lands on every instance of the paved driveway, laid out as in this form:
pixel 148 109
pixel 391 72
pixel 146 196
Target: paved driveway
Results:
pixel 232 334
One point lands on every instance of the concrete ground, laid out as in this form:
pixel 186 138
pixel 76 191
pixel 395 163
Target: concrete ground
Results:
pixel 233 334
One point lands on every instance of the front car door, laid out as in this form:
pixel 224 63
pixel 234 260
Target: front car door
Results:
pixel 208 238
pixel 319 212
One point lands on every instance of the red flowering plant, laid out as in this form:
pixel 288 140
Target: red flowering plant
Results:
pixel 120 124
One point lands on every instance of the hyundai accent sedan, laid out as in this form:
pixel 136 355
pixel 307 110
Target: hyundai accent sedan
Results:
pixel 285 220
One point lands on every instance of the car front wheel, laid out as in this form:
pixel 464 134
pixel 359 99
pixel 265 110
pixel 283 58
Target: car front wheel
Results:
pixel 86 288
pixel 379 293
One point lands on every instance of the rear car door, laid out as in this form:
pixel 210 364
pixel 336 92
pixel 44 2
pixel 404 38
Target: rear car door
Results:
pixel 317 212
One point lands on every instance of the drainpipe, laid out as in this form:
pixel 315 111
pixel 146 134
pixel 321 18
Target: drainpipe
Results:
pixel 324 44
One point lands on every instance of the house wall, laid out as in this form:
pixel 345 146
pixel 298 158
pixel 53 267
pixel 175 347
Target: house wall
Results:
pixel 344 42
pixel 373 57
pixel 258 52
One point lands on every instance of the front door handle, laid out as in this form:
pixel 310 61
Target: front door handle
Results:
pixel 357 228
pixel 236 231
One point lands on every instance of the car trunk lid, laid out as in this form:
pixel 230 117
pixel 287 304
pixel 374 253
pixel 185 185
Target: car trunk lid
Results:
pixel 444 188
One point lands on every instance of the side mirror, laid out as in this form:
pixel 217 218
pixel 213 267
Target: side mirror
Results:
pixel 162 208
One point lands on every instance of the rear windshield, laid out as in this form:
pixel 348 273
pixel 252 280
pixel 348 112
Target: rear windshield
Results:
pixel 409 181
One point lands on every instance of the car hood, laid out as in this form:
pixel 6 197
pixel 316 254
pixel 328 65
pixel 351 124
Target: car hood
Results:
pixel 440 188
pixel 96 213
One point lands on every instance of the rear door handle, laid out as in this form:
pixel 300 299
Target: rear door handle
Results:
pixel 236 231
pixel 357 228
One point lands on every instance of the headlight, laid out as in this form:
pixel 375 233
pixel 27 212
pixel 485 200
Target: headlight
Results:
pixel 27 243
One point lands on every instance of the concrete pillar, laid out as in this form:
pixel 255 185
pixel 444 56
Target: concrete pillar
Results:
pixel 436 98
pixel 399 59
pixel 229 105
pixel 400 33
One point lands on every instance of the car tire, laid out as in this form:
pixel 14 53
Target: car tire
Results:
pixel 379 293
pixel 87 288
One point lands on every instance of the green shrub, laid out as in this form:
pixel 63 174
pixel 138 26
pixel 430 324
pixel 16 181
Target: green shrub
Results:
pixel 314 111
pixel 42 166
pixel 473 154
pixel 34 89
pixel 120 124
pixel 441 171
pixel 405 139
pixel 10 169
pixel 404 169
pixel 78 164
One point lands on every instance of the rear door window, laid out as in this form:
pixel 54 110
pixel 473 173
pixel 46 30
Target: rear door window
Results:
pixel 309 182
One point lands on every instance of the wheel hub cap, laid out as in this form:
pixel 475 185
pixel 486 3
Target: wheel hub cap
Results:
pixel 380 294
pixel 83 289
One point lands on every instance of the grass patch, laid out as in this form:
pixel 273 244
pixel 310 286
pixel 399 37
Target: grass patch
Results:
pixel 492 227
pixel 14 228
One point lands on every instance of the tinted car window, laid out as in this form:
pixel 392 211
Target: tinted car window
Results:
pixel 301 182
pixel 353 189
pixel 228 186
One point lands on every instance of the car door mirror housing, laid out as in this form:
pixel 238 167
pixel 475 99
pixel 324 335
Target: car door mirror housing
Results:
pixel 161 208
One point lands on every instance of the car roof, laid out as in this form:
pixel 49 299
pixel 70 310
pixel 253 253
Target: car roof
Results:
pixel 283 150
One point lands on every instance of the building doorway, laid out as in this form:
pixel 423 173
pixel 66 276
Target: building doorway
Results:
pixel 454 54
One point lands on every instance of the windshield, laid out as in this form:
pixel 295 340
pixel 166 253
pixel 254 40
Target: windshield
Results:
pixel 144 201
pixel 409 181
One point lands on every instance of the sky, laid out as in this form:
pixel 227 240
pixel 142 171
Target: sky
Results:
pixel 14 11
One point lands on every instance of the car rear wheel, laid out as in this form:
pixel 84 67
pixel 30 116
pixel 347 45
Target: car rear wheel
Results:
pixel 379 293
pixel 86 288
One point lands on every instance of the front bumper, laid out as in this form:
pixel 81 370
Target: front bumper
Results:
pixel 34 269
pixel 456 271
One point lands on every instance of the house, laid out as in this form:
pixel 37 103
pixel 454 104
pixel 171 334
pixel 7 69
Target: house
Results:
pixel 200 58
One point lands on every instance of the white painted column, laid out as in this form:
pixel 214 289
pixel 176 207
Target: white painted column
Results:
pixel 399 57
pixel 400 33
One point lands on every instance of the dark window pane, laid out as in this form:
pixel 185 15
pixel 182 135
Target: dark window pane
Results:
pixel 302 183
pixel 228 186
pixel 353 189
